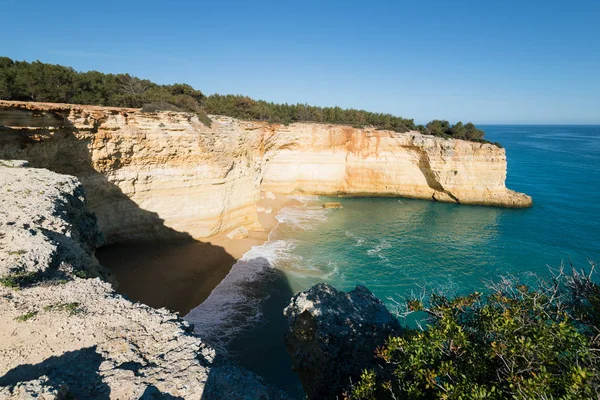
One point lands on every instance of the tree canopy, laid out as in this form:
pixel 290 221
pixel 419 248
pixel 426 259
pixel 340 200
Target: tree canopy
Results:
pixel 37 81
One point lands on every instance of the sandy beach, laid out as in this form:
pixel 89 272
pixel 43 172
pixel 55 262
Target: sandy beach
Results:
pixel 181 275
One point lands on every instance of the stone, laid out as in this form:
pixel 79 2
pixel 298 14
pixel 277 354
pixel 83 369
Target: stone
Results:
pixel 165 174
pixel 332 205
pixel 65 336
pixel 238 233
pixel 332 336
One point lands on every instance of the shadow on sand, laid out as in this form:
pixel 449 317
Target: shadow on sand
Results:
pixel 170 270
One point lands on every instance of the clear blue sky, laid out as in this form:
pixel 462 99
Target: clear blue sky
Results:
pixel 489 61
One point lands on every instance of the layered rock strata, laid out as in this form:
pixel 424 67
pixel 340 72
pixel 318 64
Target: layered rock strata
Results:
pixel 166 174
pixel 65 333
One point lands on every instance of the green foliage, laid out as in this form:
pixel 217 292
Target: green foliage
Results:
pixel 443 129
pixel 202 117
pixel 516 342
pixel 72 308
pixel 26 316
pixel 37 81
pixel 79 273
pixel 20 279
pixel 244 107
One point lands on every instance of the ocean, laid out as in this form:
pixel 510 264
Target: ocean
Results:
pixel 397 247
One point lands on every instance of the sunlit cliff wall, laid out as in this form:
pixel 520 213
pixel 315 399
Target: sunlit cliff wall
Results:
pixel 159 175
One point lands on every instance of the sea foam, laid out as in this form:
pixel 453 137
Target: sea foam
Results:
pixel 235 304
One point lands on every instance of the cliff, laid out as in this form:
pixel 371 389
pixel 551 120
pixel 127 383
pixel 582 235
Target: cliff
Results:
pixel 63 336
pixel 166 174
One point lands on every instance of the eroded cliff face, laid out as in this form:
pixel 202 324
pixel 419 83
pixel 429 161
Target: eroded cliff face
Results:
pixel 166 174
pixel 65 336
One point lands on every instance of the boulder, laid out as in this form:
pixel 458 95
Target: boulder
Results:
pixel 332 204
pixel 332 336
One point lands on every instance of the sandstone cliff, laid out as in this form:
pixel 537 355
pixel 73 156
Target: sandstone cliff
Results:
pixel 164 174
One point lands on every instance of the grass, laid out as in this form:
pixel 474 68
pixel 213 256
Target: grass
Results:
pixel 72 308
pixel 80 274
pixel 26 316
pixel 19 279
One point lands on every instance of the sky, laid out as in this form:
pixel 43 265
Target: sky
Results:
pixel 486 61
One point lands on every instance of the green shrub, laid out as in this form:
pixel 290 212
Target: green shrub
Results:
pixel 204 118
pixel 26 316
pixel 20 279
pixel 80 273
pixel 159 106
pixel 517 342
pixel 442 128
pixel 72 308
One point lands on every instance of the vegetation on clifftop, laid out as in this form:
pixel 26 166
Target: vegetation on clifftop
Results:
pixel 37 81
pixel 517 342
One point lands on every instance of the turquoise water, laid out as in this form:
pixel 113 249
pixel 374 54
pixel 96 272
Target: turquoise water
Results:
pixel 399 246
pixel 396 246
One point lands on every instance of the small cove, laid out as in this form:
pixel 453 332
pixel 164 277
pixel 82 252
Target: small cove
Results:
pixel 393 246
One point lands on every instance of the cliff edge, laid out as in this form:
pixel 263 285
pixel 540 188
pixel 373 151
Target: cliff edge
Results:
pixel 66 333
pixel 165 174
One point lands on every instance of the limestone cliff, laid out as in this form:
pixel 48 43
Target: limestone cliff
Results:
pixel 163 174
pixel 64 336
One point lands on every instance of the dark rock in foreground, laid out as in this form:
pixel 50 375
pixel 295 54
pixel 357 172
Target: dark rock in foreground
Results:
pixel 332 336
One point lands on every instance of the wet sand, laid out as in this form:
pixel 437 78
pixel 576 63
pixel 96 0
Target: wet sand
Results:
pixel 180 275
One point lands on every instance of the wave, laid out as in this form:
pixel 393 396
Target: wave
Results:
pixel 378 250
pixel 234 306
pixel 359 240
pixel 302 217
pixel 305 198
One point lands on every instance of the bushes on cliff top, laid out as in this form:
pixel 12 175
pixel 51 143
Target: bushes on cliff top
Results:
pixel 517 342
pixel 37 81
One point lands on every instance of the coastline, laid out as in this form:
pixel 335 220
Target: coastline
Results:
pixel 181 275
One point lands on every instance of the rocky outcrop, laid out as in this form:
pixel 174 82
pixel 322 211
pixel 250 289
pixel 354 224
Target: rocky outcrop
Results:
pixel 333 335
pixel 46 232
pixel 65 336
pixel 166 174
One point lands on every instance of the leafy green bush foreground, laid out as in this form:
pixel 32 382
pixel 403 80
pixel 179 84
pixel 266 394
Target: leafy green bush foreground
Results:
pixel 517 342
pixel 37 81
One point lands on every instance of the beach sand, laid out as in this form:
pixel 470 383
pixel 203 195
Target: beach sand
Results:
pixel 180 275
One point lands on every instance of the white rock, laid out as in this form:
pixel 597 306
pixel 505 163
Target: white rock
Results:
pixel 238 233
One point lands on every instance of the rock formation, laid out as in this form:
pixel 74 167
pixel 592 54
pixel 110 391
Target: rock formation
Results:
pixel 64 335
pixel 166 174
pixel 333 335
